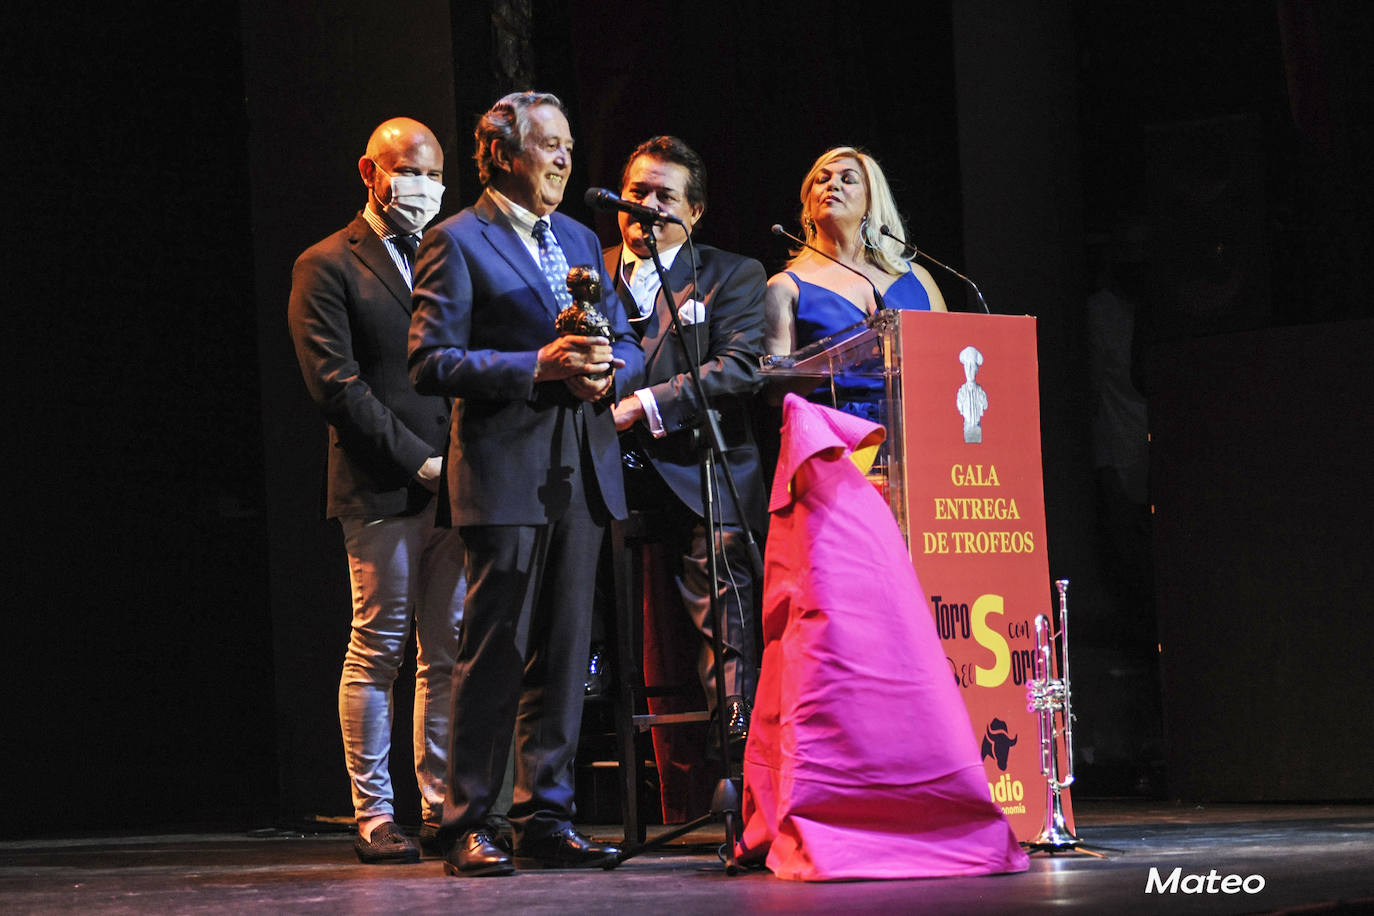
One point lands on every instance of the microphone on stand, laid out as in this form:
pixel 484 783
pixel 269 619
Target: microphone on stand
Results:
pixel 877 296
pixel 601 199
pixel 907 246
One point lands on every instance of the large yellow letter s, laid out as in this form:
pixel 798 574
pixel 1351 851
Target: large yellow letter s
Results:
pixel 991 640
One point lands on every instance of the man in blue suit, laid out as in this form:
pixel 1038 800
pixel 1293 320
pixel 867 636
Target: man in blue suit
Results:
pixel 532 479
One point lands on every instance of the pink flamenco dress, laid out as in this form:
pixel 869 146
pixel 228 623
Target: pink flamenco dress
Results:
pixel 861 762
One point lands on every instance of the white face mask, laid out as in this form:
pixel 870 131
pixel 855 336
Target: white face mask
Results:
pixel 414 200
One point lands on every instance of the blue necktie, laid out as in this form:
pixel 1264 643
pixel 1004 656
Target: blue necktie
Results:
pixel 553 263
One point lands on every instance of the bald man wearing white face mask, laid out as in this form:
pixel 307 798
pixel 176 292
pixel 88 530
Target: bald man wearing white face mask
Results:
pixel 349 318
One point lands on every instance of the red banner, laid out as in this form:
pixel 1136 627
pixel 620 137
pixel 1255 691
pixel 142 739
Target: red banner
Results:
pixel 975 515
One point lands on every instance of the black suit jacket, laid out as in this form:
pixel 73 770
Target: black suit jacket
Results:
pixel 349 316
pixel 482 311
pixel 731 288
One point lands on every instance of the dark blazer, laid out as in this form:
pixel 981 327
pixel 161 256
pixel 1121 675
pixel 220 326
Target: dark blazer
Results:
pixel 731 287
pixel 349 315
pixel 482 310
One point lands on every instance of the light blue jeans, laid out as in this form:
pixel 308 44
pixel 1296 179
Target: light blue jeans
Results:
pixel 402 569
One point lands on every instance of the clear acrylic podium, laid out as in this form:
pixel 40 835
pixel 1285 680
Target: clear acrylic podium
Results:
pixel 870 352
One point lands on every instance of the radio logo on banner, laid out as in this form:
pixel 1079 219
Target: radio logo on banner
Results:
pixel 997 744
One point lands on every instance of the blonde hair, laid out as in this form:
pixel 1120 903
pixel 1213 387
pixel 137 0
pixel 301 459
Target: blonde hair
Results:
pixel 879 250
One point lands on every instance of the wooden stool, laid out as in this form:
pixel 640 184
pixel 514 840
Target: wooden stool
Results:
pixel 632 718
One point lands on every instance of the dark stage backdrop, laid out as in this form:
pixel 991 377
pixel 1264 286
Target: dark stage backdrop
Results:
pixel 1262 504
pixel 181 610
pixel 137 624
pixel 760 93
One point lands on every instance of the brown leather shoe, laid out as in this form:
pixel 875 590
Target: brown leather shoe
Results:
pixel 387 846
pixel 564 848
pixel 478 855
pixel 429 841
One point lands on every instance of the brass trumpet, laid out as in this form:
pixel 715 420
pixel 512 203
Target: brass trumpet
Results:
pixel 1048 693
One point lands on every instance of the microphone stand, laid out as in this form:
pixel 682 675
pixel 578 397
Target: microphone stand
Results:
pixel 907 246
pixel 725 801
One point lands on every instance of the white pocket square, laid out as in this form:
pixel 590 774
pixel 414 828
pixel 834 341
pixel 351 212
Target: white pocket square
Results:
pixel 691 312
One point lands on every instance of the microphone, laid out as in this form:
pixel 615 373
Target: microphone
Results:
pixel 601 199
pixel 877 296
pixel 907 246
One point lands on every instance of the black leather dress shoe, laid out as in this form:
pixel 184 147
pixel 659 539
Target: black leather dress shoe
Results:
pixel 478 855
pixel 598 673
pixel 387 846
pixel 564 848
pixel 737 713
pixel 737 722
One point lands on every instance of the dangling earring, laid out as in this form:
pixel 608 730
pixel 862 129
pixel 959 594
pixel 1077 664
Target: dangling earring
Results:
pixel 863 234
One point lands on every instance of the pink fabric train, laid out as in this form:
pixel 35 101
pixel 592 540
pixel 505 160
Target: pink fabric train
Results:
pixel 861 761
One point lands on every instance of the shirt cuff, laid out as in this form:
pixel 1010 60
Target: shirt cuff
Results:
pixel 652 418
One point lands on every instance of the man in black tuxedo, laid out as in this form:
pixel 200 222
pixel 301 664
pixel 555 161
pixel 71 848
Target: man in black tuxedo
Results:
pixel 349 317
pixel 533 478
pixel 719 301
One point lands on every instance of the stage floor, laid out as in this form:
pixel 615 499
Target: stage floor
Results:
pixel 1317 858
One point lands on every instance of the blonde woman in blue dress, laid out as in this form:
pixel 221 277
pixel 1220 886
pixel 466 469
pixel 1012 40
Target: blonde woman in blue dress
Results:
pixel 845 202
